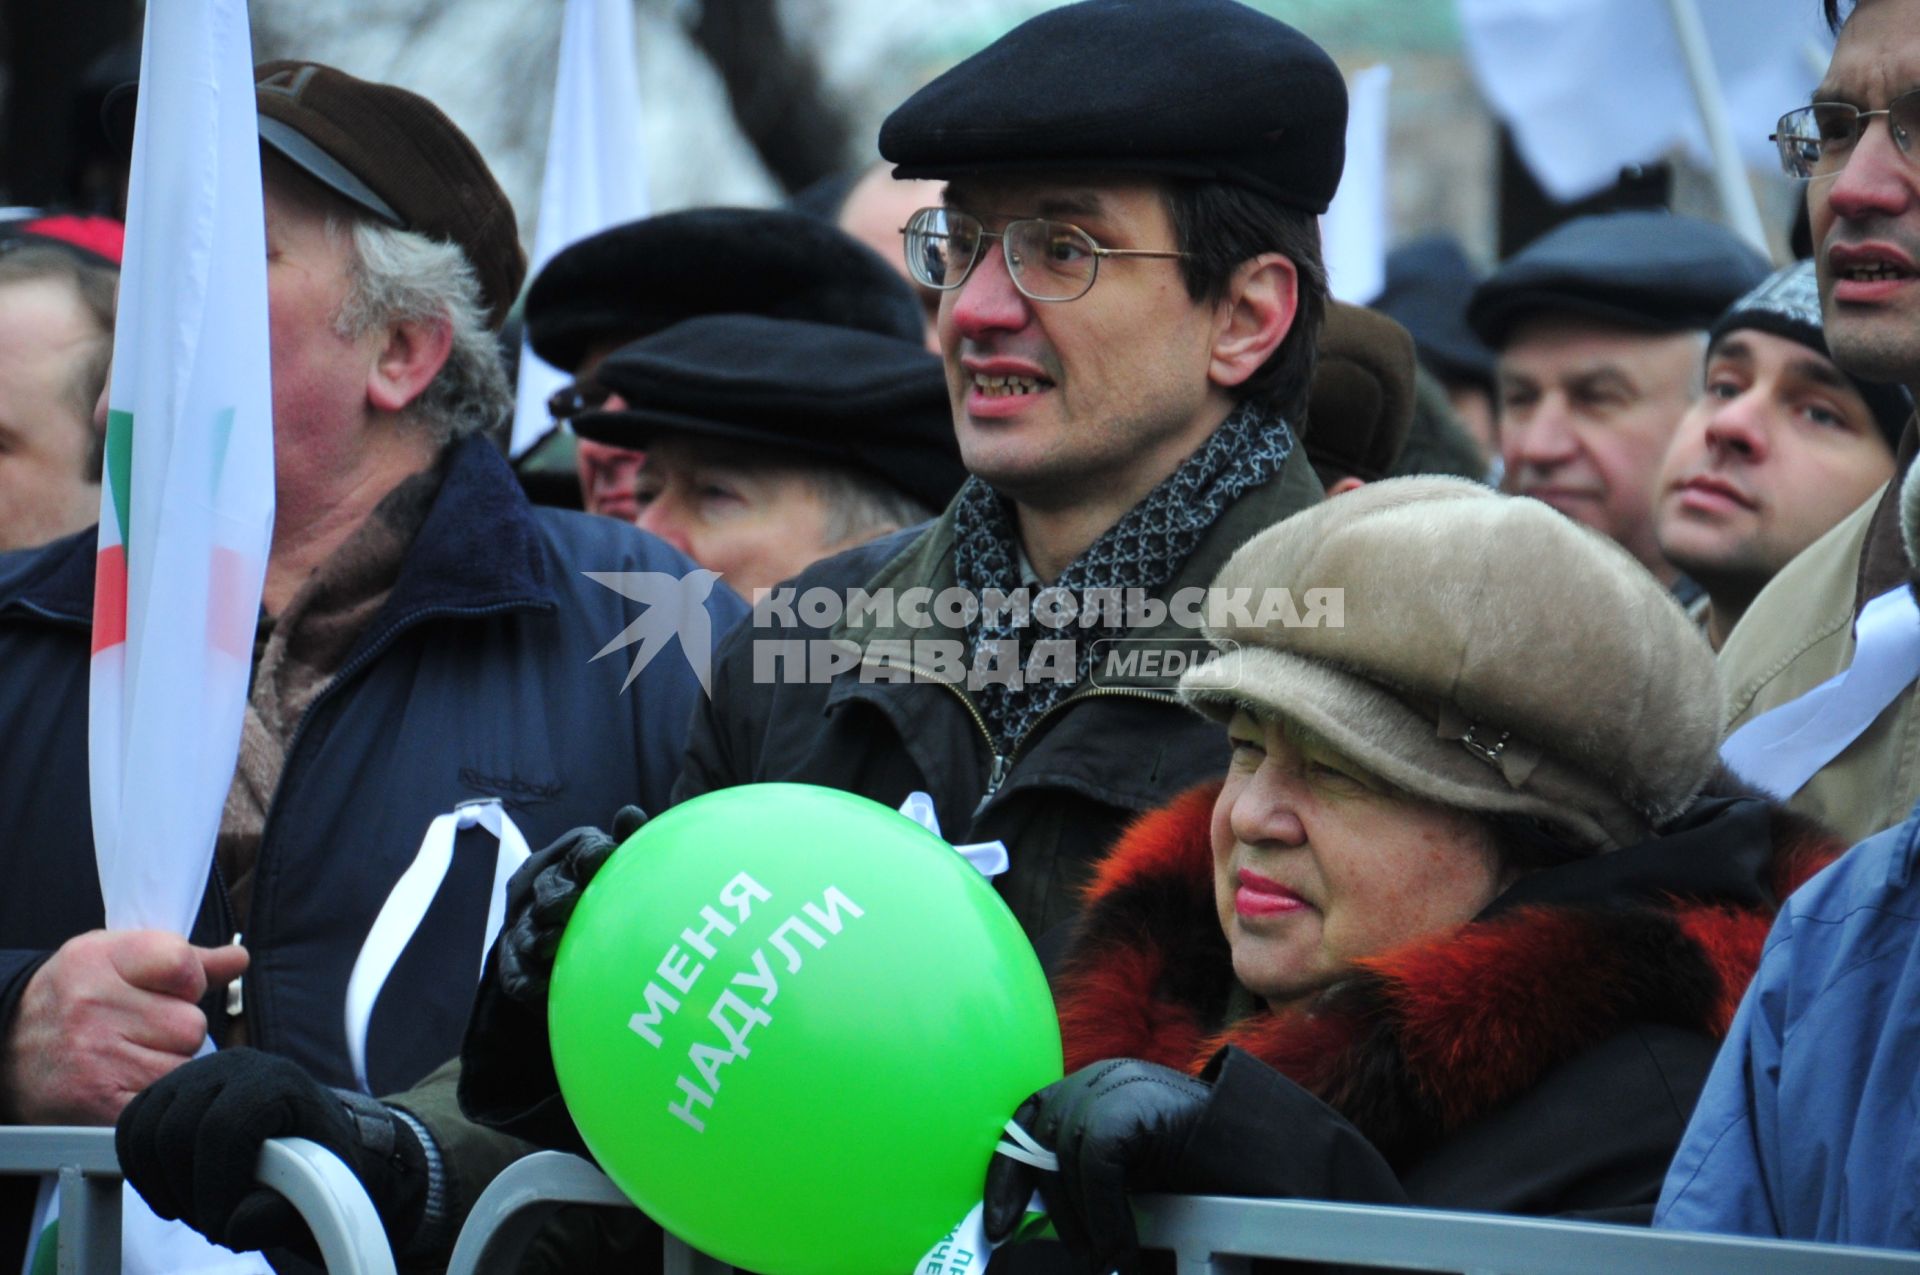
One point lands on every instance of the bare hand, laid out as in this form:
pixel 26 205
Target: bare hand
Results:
pixel 108 1015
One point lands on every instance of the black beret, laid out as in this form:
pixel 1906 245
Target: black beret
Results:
pixel 1360 405
pixel 637 278
pixel 1206 89
pixel 873 402
pixel 1656 271
pixel 1428 283
pixel 1787 305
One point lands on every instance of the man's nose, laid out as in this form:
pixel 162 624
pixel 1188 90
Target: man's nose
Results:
pixel 1543 438
pixel 1738 427
pixel 988 301
pixel 1878 180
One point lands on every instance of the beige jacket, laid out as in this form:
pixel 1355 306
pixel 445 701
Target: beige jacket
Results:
pixel 1797 634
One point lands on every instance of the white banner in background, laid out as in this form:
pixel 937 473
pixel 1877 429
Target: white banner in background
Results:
pixel 596 173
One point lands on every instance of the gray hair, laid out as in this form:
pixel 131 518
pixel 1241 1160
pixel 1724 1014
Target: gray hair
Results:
pixel 401 276
pixel 861 507
pixel 93 288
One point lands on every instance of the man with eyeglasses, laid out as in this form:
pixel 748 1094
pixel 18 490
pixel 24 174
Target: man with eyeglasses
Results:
pixel 1806 1128
pixel 1853 148
pixel 1131 293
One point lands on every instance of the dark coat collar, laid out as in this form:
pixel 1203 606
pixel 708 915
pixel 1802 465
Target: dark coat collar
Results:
pixel 1424 1038
pixel 479 549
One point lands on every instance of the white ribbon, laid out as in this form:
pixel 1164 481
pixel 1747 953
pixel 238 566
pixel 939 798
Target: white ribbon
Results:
pixel 407 905
pixel 988 857
pixel 1784 747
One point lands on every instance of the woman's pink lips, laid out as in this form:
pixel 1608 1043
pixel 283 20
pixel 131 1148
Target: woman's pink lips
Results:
pixel 1259 896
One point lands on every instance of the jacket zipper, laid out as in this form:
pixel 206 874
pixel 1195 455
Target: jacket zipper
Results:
pixel 1003 762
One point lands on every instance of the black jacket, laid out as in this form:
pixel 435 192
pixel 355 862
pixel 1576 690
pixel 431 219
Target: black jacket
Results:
pixel 477 679
pixel 1102 756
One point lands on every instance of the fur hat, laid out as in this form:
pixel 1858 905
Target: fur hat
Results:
pixel 1360 406
pixel 1489 654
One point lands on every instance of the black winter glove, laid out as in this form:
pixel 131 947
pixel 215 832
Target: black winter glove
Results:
pixel 541 897
pixel 1118 1127
pixel 190 1142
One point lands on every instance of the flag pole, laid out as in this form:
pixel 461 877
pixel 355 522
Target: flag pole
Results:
pixel 1729 172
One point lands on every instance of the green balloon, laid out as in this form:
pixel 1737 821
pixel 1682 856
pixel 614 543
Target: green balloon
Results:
pixel 790 1023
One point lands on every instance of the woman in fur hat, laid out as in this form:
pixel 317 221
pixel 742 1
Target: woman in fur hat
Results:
pixel 1458 927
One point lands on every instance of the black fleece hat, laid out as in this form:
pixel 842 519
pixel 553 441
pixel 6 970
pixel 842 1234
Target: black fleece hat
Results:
pixel 1655 271
pixel 635 279
pixel 1207 89
pixel 831 393
pixel 1787 305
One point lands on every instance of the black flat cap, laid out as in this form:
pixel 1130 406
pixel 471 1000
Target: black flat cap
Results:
pixel 873 402
pixel 1656 271
pixel 1205 89
pixel 1428 283
pixel 1360 405
pixel 635 279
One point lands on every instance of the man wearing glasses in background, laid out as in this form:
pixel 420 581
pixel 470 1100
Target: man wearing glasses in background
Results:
pixel 1131 295
pixel 1806 1129
pixel 1853 148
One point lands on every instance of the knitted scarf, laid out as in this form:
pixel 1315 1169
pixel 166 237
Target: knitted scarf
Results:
pixel 1141 551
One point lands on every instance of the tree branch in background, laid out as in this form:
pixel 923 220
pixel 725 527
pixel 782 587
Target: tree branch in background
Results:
pixel 775 89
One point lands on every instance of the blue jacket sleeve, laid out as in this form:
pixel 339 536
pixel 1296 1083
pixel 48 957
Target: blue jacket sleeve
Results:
pixel 1719 1180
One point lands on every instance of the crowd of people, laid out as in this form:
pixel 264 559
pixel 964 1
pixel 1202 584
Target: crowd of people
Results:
pixel 1561 634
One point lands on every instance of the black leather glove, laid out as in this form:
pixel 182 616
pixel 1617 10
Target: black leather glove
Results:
pixel 1118 1127
pixel 541 896
pixel 190 1142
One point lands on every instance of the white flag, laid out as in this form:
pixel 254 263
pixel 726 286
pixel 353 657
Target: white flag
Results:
pixel 595 175
pixel 1357 225
pixel 186 509
pixel 1588 86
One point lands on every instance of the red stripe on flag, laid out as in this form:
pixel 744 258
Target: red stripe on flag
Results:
pixel 229 621
pixel 110 598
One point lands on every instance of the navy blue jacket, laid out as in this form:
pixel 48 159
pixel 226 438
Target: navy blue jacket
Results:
pixel 477 679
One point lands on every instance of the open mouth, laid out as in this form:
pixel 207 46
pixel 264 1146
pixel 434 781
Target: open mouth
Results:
pixel 1869 264
pixel 1873 273
pixel 1008 386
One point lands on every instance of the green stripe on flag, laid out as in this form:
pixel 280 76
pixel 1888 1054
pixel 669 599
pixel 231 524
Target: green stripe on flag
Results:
pixel 120 465
pixel 222 435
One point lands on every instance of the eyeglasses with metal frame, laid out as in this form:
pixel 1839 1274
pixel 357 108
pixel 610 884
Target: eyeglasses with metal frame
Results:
pixel 1047 260
pixel 1818 140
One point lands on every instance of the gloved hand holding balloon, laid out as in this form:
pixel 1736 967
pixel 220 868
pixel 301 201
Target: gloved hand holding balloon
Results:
pixel 790 1024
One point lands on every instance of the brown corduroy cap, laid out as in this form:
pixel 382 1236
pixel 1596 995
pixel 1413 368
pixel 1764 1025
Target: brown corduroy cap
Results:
pixel 1492 655
pixel 1360 404
pixel 398 156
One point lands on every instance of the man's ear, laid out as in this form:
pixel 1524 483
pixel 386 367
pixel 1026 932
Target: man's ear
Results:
pixel 1259 309
pixel 415 351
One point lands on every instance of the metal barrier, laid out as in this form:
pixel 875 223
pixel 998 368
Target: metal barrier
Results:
pixel 1214 1235
pixel 1209 1235
pixel 314 1180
